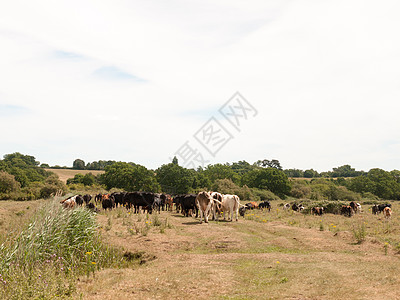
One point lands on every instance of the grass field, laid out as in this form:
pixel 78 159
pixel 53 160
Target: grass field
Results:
pixel 65 174
pixel 266 255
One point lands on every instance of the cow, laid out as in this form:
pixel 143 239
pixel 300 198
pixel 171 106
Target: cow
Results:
pixel 204 203
pixel 255 204
pixel 69 202
pixel 346 210
pixel 286 206
pixel 161 203
pixel 381 207
pixel 98 198
pixel 92 207
pixel 319 211
pixel 216 206
pixel 188 204
pixel 297 207
pixel 242 211
pixel 265 204
pixel 108 202
pixel 353 206
pixel 87 198
pixel 375 209
pixel 169 202
pixel 140 199
pixel 359 209
pixel 158 203
pixel 119 199
pixel 249 205
pixel 230 204
pixel 79 200
pixel 177 200
pixel 387 212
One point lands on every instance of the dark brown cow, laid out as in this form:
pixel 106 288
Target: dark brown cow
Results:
pixel 353 206
pixel 346 210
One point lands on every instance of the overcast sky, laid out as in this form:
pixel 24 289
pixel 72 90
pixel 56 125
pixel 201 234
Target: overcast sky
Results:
pixel 134 80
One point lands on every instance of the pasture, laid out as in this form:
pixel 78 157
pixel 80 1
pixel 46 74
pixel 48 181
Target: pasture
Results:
pixel 65 174
pixel 266 255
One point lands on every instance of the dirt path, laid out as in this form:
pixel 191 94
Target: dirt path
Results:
pixel 242 260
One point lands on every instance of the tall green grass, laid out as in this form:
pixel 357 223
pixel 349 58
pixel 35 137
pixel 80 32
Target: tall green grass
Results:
pixel 56 247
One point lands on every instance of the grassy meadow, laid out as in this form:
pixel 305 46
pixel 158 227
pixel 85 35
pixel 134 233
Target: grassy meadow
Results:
pixel 265 255
pixel 65 174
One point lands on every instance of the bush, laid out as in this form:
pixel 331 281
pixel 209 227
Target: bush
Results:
pixel 370 196
pixel 227 186
pixel 52 186
pixel 8 183
pixel 263 195
pixel 300 189
pixel 331 207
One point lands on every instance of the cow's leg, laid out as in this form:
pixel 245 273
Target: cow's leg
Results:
pixel 201 216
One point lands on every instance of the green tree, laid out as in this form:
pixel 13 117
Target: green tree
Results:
pixel 175 160
pixel 310 173
pixel 241 167
pixel 175 179
pixel 78 164
pixel 89 179
pixel 385 185
pixel 130 177
pixel 296 173
pixel 345 171
pixel 220 171
pixel 269 178
pixel 265 163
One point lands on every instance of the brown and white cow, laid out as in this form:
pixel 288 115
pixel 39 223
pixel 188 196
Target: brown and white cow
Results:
pixel 319 211
pixel 69 202
pixel 216 206
pixel 387 212
pixel 204 202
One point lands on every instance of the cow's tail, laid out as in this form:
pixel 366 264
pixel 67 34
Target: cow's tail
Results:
pixel 238 201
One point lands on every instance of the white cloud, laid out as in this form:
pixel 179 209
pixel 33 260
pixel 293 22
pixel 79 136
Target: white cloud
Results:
pixel 133 80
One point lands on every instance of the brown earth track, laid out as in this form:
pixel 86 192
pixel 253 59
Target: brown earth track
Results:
pixel 244 260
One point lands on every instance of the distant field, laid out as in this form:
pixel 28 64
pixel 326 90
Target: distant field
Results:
pixel 65 174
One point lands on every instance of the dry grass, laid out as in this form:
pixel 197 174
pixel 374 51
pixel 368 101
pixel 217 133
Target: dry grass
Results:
pixel 276 255
pixel 267 255
pixel 65 174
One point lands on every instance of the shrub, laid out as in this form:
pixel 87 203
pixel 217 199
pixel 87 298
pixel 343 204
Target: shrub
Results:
pixel 8 183
pixel 227 186
pixel 359 233
pixel 264 194
pixel 52 186
pixel 300 189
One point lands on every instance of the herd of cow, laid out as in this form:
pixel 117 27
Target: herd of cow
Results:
pixel 203 203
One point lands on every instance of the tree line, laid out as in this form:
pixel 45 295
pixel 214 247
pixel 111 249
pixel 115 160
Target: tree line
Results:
pixel 22 177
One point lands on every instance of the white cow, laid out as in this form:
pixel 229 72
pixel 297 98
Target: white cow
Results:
pixel 230 203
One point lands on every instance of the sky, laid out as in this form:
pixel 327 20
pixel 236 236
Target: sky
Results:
pixel 141 80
